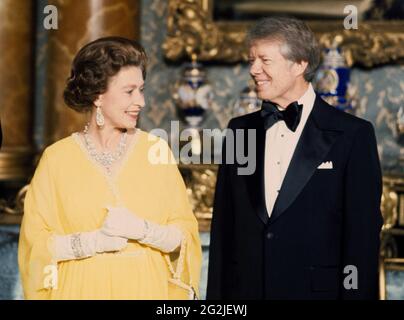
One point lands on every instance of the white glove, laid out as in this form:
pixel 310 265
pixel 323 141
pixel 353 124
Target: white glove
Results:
pixel 121 222
pixel 164 238
pixel 86 244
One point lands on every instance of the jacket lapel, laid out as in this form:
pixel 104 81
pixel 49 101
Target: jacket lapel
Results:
pixel 313 146
pixel 255 181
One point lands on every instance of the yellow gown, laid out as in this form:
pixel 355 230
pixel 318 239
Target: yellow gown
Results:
pixel 69 193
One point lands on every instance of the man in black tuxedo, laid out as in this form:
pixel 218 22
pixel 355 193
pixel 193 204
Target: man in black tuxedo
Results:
pixel 306 223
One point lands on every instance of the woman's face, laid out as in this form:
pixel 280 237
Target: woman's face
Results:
pixel 123 100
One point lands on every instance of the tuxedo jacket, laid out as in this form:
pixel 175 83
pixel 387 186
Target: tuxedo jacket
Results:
pixel 321 240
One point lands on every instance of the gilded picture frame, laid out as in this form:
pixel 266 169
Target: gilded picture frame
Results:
pixel 191 31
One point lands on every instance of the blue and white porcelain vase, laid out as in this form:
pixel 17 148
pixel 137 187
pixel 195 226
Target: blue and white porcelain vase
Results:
pixel 193 94
pixel 332 79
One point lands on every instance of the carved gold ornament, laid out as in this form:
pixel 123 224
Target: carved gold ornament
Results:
pixel 191 30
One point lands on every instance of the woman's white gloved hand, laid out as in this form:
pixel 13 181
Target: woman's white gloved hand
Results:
pixel 120 222
pixel 85 244
pixel 123 223
pixel 106 243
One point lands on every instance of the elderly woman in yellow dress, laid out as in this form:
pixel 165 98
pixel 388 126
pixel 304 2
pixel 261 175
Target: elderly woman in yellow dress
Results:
pixel 102 220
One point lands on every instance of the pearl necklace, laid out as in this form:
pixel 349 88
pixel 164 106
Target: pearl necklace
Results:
pixel 105 158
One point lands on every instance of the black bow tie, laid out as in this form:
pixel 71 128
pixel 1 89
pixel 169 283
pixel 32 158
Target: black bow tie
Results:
pixel 291 115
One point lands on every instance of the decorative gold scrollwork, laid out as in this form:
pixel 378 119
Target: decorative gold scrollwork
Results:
pixel 192 31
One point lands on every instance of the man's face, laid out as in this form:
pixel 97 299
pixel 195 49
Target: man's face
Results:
pixel 274 75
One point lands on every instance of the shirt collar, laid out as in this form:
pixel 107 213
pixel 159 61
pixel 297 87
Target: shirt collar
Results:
pixel 307 100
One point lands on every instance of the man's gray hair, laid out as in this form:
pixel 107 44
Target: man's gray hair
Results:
pixel 298 41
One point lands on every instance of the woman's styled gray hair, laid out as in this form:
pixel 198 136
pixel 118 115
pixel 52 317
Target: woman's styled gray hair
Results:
pixel 298 41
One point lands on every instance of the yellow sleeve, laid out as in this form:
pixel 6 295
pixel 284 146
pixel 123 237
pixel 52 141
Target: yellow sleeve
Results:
pixel 36 265
pixel 187 265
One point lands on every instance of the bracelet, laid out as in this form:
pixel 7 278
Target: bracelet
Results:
pixel 75 242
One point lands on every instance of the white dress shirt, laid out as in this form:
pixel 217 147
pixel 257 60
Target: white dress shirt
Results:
pixel 280 144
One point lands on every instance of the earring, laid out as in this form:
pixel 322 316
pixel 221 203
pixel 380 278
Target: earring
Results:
pixel 99 118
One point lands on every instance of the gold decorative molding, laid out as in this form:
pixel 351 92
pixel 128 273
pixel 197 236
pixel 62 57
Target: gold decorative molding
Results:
pixel 200 181
pixel 392 201
pixel 374 43
pixel 389 205
pixel 191 30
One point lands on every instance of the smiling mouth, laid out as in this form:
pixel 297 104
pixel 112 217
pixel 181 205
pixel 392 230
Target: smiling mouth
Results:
pixel 133 114
pixel 260 83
